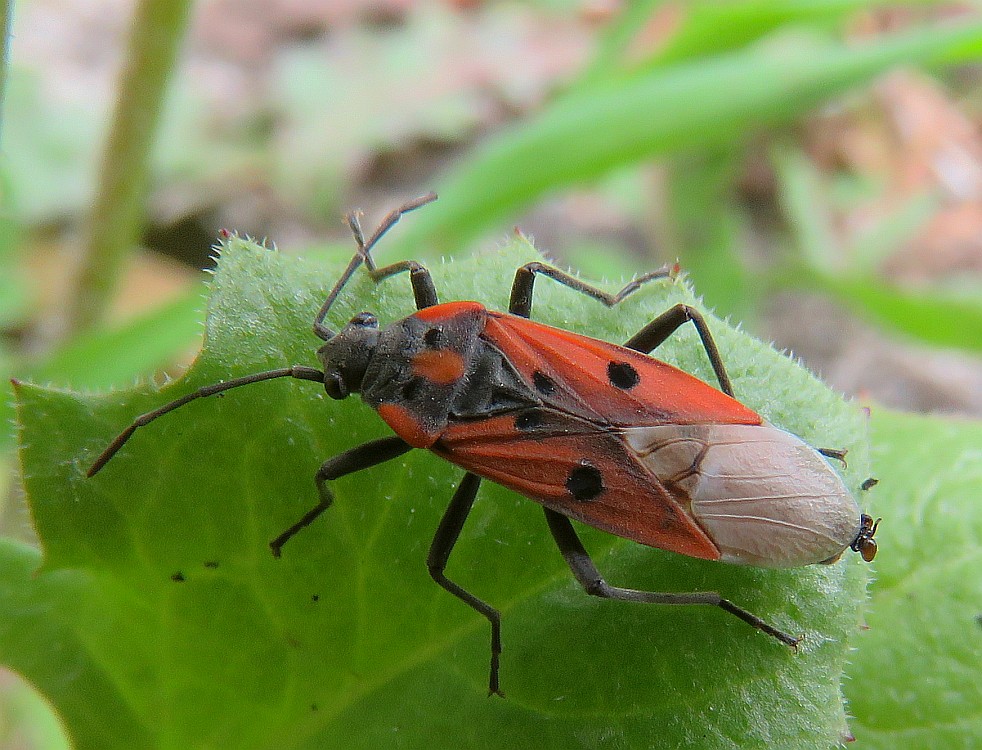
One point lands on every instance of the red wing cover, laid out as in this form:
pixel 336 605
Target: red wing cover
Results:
pixel 579 470
pixel 608 383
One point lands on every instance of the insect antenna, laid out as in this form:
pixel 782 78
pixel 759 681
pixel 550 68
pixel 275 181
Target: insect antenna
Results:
pixel 390 220
pixel 363 255
pixel 298 371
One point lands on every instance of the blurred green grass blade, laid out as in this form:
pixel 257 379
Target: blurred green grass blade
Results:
pixel 14 292
pixel 933 316
pixel 801 195
pixel 603 260
pixel 704 228
pixel 707 28
pixel 804 195
pixel 711 27
pixel 892 232
pixel 616 38
pixel 110 358
pixel 914 676
pixel 157 28
pixel 691 105
pixel 115 357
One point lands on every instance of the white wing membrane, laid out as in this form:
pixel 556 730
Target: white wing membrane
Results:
pixel 761 494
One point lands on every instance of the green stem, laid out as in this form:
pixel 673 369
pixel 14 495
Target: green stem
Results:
pixel 6 13
pixel 158 27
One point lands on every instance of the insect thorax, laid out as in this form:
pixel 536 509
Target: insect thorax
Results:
pixel 440 370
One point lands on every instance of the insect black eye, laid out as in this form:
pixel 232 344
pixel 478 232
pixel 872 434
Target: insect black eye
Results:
pixel 365 320
pixel 334 385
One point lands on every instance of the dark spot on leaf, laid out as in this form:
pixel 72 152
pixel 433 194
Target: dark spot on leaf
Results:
pixel 315 597
pixel 543 383
pixel 178 577
pixel 211 564
pixel 622 375
pixel 585 482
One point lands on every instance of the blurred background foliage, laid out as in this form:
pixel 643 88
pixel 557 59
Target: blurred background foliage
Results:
pixel 815 166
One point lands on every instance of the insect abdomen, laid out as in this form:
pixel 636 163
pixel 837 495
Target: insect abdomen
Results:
pixel 761 494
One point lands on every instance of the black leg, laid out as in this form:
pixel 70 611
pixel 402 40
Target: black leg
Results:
pixel 521 289
pixel 424 290
pixel 422 286
pixel 593 583
pixel 654 334
pixel 645 340
pixel 362 457
pixel 443 543
pixel 839 454
pixel 297 371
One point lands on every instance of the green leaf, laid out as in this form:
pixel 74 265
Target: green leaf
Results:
pixel 171 617
pixel 915 676
pixel 115 356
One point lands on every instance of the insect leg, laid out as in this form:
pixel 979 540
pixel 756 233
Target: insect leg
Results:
pixel 654 334
pixel 593 583
pixel 297 371
pixel 839 454
pixel 423 289
pixel 362 457
pixel 645 340
pixel 363 255
pixel 521 290
pixel 443 543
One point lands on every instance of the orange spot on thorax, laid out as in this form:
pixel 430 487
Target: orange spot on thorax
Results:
pixel 440 366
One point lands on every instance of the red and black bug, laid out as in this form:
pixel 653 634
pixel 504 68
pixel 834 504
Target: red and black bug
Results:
pixel 593 431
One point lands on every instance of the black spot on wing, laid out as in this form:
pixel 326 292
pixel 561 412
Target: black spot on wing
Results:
pixel 528 420
pixel 543 383
pixel 622 375
pixel 585 482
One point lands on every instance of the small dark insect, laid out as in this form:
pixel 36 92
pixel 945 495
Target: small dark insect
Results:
pixel 869 484
pixel 593 431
